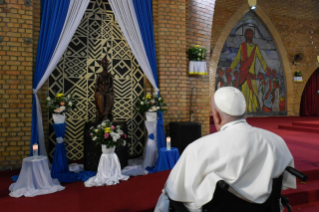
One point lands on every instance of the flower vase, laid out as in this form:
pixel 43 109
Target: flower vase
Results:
pixel 107 150
pixel 151 116
pixel 58 118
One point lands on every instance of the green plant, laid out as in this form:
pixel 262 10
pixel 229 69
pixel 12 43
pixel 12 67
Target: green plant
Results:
pixel 150 103
pixel 61 104
pixel 108 134
pixel 196 53
pixel 298 74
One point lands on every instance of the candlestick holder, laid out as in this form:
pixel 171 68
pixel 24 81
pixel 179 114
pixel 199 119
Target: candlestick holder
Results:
pixel 168 146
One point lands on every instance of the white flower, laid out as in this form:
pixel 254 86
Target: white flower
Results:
pixel 124 143
pixel 103 124
pixel 59 109
pixel 94 138
pixel 96 130
pixel 70 104
pixel 98 126
pixel 154 108
pixel 119 131
pixel 157 107
pixel 159 99
pixel 48 98
pixel 69 96
pixel 142 103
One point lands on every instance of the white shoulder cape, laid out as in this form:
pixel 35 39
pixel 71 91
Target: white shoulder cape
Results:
pixel 247 158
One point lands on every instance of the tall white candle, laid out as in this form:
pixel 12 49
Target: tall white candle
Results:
pixel 35 148
pixel 168 143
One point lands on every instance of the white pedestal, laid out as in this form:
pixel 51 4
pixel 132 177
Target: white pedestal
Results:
pixel 108 173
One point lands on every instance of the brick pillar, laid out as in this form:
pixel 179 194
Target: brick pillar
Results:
pixel 16 60
pixel 170 38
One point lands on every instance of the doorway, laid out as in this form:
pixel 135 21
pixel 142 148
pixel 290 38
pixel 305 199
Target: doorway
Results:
pixel 309 105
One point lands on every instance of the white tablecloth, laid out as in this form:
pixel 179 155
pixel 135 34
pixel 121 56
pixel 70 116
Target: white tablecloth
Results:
pixel 34 179
pixel 197 68
pixel 150 150
pixel 108 173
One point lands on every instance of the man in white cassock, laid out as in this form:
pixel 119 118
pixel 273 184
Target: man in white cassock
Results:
pixel 245 157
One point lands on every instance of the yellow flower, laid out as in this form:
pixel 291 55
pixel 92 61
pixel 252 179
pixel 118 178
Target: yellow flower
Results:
pixel 60 95
pixel 148 96
pixel 197 46
pixel 107 130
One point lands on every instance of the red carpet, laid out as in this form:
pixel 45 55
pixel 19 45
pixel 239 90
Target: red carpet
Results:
pixel 141 193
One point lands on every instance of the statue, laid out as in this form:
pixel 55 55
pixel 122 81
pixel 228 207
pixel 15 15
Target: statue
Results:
pixel 104 94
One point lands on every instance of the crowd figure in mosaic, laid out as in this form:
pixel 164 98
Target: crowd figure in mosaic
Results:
pixel 249 61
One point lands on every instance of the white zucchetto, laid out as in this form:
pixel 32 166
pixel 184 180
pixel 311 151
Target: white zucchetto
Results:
pixel 230 100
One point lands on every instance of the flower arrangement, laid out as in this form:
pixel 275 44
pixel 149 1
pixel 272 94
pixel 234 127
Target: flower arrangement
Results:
pixel 150 103
pixel 61 104
pixel 196 53
pixel 108 134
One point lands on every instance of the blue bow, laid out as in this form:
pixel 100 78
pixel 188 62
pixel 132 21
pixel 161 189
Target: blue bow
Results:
pixel 151 136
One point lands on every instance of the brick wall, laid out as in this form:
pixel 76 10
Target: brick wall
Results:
pixel 199 27
pixel 16 60
pixel 170 39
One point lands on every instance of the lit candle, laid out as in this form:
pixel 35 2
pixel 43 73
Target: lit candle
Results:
pixel 35 150
pixel 168 143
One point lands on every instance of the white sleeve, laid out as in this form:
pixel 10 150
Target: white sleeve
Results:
pixel 162 203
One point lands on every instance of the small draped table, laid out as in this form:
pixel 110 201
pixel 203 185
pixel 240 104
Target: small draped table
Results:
pixel 108 173
pixel 166 160
pixel 34 179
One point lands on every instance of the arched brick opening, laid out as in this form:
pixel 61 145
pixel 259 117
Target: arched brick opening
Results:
pixel 279 43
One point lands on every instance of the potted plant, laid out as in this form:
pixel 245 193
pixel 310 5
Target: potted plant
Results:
pixel 298 76
pixel 59 105
pixel 196 53
pixel 150 105
pixel 108 136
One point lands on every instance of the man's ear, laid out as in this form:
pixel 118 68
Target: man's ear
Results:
pixel 217 118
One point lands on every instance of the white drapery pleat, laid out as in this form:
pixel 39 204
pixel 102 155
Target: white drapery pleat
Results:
pixel 124 12
pixel 72 21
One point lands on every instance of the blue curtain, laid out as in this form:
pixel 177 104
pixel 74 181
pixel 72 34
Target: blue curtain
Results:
pixel 144 13
pixel 53 15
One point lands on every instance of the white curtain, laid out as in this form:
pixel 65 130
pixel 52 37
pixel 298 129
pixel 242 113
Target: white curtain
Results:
pixel 125 14
pixel 72 21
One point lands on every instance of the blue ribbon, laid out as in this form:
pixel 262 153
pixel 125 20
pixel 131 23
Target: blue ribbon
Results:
pixel 151 136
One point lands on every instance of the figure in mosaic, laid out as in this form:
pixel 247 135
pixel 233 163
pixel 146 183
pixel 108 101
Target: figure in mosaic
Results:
pixel 104 94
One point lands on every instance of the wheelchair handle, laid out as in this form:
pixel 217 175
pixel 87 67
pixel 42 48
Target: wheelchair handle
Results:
pixel 297 173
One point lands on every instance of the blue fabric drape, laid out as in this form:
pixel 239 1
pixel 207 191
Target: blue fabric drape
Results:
pixel 53 16
pixel 144 13
pixel 166 160
pixel 60 166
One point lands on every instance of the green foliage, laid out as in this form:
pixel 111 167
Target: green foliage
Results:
pixel 61 104
pixel 196 53
pixel 298 74
pixel 150 104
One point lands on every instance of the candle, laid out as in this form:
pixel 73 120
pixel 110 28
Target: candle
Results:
pixel 168 143
pixel 35 150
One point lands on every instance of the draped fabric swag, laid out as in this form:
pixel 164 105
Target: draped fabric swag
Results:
pixel 59 20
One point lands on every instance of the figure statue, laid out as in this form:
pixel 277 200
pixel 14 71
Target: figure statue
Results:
pixel 104 94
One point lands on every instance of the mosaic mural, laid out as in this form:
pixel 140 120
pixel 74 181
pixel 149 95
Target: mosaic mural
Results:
pixel 97 36
pixel 250 62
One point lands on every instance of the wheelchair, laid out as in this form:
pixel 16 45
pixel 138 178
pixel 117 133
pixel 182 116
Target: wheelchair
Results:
pixel 224 201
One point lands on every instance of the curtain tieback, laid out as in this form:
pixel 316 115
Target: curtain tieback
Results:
pixel 59 140
pixel 34 91
pixel 151 136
